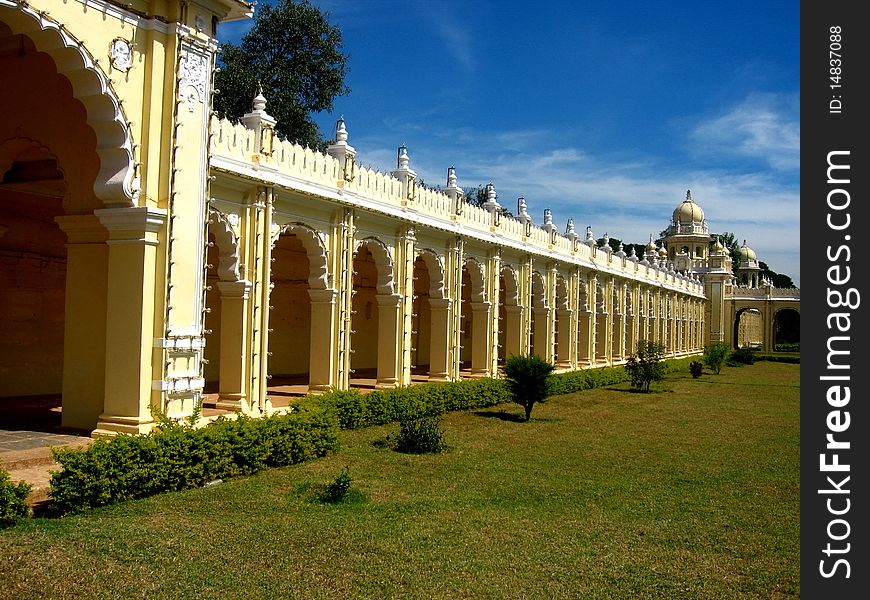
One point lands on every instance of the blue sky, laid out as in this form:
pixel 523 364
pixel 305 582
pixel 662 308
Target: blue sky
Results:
pixel 603 112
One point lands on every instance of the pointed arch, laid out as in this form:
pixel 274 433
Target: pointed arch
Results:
pixel 539 291
pixel 116 183
pixel 436 271
pixel 561 293
pixel 511 286
pixel 228 246
pixel 315 248
pixel 383 261
pixel 477 279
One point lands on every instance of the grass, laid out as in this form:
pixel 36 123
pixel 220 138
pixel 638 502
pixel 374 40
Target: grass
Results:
pixel 688 492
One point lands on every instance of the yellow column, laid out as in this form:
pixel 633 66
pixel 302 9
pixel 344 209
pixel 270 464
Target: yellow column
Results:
pixel 84 338
pixel 586 325
pixel 388 340
pixel 453 287
pixel 439 356
pixel 404 273
pixel 133 241
pixel 323 350
pixel 619 322
pixel 234 351
pixel 481 338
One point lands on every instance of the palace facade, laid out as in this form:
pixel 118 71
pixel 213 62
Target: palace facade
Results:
pixel 153 256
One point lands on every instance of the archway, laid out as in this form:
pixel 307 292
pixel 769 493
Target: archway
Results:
pixel 375 346
pixel 298 359
pixel 562 325
pixel 475 316
pixel 509 315
pixel 539 314
pixel 748 328
pixel 55 170
pixel 429 319
pixel 787 330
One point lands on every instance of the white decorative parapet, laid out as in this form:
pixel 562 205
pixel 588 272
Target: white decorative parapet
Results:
pixel 765 292
pixel 234 149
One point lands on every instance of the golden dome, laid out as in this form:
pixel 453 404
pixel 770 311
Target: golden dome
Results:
pixel 747 253
pixel 688 211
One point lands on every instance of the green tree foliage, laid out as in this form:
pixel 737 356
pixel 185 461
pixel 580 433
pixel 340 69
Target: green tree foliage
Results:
pixel 477 197
pixel 295 54
pixel 778 279
pixel 527 376
pixel 645 365
pixel 715 356
pixel 729 240
pixel 639 249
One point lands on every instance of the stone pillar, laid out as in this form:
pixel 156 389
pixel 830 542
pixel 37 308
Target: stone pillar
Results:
pixel 130 313
pixel 84 337
pixel 323 349
pixel 481 338
pixel 440 340
pixel 235 367
pixel 513 330
pixel 565 335
pixel 388 340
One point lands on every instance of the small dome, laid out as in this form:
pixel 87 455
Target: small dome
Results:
pixel 747 253
pixel 663 252
pixel 688 211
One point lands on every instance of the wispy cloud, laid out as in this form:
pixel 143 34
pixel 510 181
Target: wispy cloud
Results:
pixel 763 126
pixel 627 197
pixel 456 37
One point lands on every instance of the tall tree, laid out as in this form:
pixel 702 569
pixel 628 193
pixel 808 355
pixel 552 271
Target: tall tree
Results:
pixel 729 241
pixel 296 56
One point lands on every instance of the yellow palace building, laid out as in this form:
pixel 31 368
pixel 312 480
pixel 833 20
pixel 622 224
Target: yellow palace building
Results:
pixel 153 256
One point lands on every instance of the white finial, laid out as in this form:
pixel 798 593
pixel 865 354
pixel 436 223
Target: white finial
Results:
pixel 259 99
pixel 451 176
pixel 569 231
pixel 491 203
pixel 548 216
pixel 521 206
pixel 605 241
pixel 340 130
pixel 403 157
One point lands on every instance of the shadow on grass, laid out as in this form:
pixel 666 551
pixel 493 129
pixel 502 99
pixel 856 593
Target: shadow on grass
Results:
pixel 501 415
pixel 652 390
pixel 316 493
pixel 513 417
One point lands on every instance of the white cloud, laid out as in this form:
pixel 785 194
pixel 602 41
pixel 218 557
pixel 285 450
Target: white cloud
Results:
pixel 628 199
pixel 764 126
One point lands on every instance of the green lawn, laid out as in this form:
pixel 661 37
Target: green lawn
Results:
pixel 689 492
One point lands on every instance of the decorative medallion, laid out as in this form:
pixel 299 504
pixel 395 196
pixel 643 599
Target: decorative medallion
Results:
pixel 193 72
pixel 121 54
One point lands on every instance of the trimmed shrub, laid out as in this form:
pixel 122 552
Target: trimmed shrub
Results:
pixel 696 368
pixel 742 356
pixel 13 500
pixel 338 489
pixel 528 376
pixel 777 358
pixel 420 434
pixel 646 365
pixel 354 410
pixel 715 356
pixel 176 457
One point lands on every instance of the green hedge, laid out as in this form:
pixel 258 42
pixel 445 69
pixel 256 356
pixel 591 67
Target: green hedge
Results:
pixel 779 358
pixel 13 500
pixel 355 410
pixel 177 457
